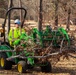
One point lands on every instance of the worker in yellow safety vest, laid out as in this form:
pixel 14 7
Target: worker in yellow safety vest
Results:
pixel 15 33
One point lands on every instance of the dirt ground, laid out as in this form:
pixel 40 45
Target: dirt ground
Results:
pixel 63 67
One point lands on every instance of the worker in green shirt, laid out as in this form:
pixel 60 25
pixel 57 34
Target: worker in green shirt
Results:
pixel 14 34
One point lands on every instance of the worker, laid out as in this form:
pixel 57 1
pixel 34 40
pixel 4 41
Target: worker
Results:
pixel 15 33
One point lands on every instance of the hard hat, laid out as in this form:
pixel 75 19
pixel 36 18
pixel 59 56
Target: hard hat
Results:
pixel 17 21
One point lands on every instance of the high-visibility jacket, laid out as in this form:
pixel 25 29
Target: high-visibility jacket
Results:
pixel 14 34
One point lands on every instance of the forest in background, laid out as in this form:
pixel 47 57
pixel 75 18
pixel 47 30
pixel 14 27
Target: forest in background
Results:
pixel 51 9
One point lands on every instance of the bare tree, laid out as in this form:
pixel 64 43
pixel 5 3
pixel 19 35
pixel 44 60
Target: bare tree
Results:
pixel 68 19
pixel 56 12
pixel 9 15
pixel 40 16
pixel 20 5
pixel 68 6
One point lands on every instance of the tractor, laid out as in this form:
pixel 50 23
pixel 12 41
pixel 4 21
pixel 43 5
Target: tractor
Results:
pixel 6 51
pixel 34 49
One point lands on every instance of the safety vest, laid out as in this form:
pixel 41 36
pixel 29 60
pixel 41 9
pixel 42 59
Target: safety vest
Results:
pixel 14 34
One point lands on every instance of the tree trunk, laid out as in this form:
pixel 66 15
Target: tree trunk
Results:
pixel 40 16
pixel 9 15
pixel 68 19
pixel 21 16
pixel 56 13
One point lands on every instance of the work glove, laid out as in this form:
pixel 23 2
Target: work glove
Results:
pixel 16 42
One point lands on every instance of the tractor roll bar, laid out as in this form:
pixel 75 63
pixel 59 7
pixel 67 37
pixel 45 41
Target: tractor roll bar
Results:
pixel 13 8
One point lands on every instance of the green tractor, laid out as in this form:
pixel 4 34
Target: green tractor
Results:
pixel 7 52
pixel 34 49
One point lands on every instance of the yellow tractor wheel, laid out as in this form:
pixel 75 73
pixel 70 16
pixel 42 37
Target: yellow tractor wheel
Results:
pixel 4 64
pixel 22 66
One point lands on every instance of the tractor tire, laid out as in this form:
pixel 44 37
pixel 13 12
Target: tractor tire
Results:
pixel 30 66
pixel 4 64
pixel 21 66
pixel 47 68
